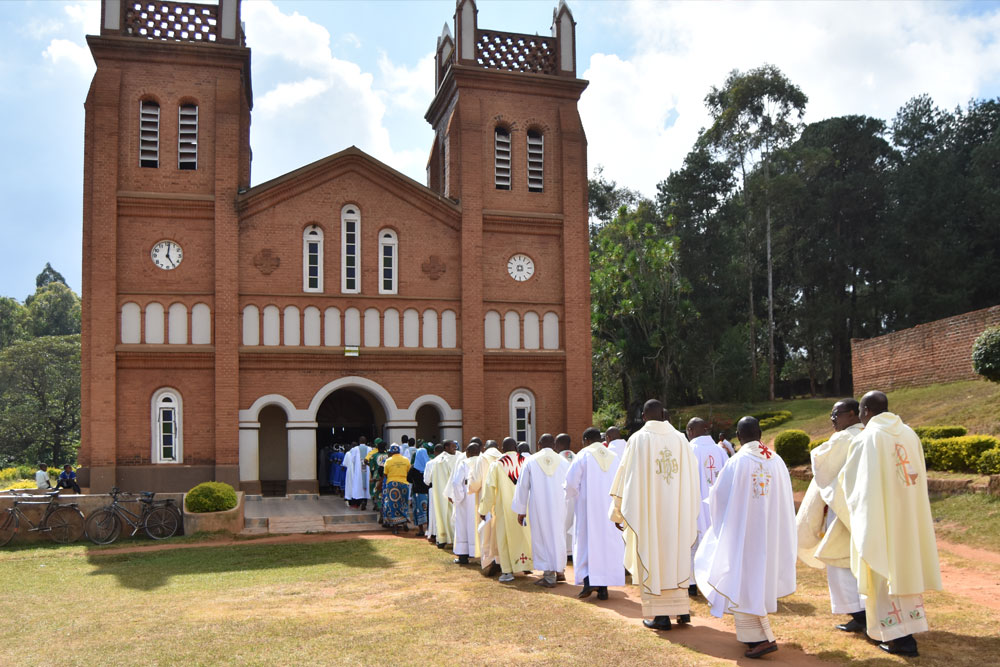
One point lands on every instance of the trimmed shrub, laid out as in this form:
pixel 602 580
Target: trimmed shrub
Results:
pixel 792 446
pixel 927 432
pixel 813 444
pixel 773 418
pixel 986 354
pixel 989 462
pixel 210 497
pixel 960 454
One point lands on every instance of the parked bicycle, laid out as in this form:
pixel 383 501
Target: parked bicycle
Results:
pixel 62 523
pixel 159 518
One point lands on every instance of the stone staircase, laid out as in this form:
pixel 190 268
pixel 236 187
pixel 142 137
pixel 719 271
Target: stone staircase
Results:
pixel 304 513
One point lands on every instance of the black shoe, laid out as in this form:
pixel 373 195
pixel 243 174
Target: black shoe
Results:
pixel 693 590
pixel 587 592
pixel 560 576
pixel 683 619
pixel 852 626
pixel 602 592
pixel 760 649
pixel 441 545
pixel 658 623
pixel 905 646
pixel 493 570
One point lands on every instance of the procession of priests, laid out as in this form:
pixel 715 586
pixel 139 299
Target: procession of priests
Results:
pixel 681 515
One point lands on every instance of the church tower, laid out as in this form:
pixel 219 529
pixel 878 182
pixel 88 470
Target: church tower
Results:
pixel 510 148
pixel 166 152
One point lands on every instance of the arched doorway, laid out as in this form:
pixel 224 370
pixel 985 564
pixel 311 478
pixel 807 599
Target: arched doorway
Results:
pixel 429 423
pixel 344 416
pixel 273 451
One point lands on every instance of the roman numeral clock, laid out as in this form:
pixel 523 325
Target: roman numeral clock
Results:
pixel 520 267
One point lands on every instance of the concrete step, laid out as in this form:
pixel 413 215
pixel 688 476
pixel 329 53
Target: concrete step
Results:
pixel 296 524
pixel 348 519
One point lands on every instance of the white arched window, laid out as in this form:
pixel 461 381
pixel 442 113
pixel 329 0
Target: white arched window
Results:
pixel 149 134
pixel 536 161
pixel 251 325
pixel 430 328
pixel 411 328
pixel 352 327
pixel 272 325
pixel 501 158
pixel 350 250
pixel 201 324
pixel 491 328
pixel 154 323
pixel 131 322
pixel 177 324
pixel 331 327
pixel 312 259
pixel 522 417
pixel 311 327
pixel 166 425
pixel 390 327
pixel 187 136
pixel 511 330
pixel 372 334
pixel 531 330
pixel 449 329
pixel 550 331
pixel 291 326
pixel 388 262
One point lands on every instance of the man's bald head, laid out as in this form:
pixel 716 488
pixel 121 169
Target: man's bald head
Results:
pixel 438 448
pixel 547 440
pixel 476 440
pixel 873 403
pixel 492 444
pixel 473 449
pixel 592 435
pixel 696 427
pixel 652 410
pixel 748 430
pixel 508 445
pixel 563 442
pixel 613 433
pixel 523 448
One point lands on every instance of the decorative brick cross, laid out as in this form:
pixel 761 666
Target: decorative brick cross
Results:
pixel 266 261
pixel 434 267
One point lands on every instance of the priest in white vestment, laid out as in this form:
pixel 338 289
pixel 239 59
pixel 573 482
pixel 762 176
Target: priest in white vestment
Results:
pixel 356 489
pixel 464 503
pixel 428 479
pixel 746 561
pixel 598 546
pixel 513 539
pixel 655 497
pixel 539 497
pixel 564 448
pixel 711 458
pixel 824 541
pixel 486 537
pixel 893 550
pixel 444 520
pixel 615 441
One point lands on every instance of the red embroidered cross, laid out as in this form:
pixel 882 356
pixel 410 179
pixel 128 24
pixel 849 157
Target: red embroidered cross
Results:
pixel 897 612
pixel 711 467
pixel 523 559
pixel 764 450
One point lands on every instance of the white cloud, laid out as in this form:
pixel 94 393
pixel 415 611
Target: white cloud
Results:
pixel 410 89
pixel 61 51
pixel 849 58
pixel 286 95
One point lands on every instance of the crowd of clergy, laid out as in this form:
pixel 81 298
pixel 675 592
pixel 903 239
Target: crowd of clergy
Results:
pixel 682 514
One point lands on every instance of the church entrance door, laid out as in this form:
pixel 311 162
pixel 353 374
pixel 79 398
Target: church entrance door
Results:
pixel 343 417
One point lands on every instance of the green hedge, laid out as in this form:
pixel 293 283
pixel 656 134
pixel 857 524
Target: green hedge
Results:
pixel 210 497
pixel 989 462
pixel 935 432
pixel 813 444
pixel 986 354
pixel 792 446
pixel 773 418
pixel 961 454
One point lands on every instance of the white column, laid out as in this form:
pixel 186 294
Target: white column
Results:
pixel 452 430
pixel 301 450
pixel 249 451
pixel 396 429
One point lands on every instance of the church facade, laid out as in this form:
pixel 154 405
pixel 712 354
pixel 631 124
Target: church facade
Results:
pixel 232 332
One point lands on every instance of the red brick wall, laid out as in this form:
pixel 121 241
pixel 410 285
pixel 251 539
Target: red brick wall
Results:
pixel 938 351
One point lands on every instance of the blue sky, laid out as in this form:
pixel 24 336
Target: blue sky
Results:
pixel 327 75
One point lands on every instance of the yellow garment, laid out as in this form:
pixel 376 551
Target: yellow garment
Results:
pixel 444 514
pixel 513 539
pixel 396 468
pixel 604 456
pixel 657 495
pixel 486 537
pixel 372 453
pixel 884 483
pixel 548 461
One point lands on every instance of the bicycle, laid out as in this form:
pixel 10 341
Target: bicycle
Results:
pixel 159 518
pixel 63 523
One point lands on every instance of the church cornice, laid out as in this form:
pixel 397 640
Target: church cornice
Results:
pixel 166 205
pixel 369 359
pixel 551 361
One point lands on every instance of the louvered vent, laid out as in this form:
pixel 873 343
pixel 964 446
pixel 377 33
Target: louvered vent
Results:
pixel 536 162
pixel 502 159
pixel 149 134
pixel 187 137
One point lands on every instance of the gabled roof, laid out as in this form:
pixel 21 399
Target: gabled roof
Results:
pixel 351 159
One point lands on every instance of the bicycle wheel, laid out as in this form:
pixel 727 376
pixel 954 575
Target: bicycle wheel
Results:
pixel 161 523
pixel 8 528
pixel 103 526
pixel 65 525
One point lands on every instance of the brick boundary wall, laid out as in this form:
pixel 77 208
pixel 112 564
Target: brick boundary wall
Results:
pixel 939 351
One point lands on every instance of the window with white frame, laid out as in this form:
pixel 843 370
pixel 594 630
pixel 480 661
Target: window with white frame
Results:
pixel 536 161
pixel 387 245
pixel 522 417
pixel 166 427
pixel 350 265
pixel 501 158
pixel 149 134
pixel 187 136
pixel 312 259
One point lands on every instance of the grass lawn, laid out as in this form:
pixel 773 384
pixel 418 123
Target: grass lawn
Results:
pixel 968 518
pixel 378 601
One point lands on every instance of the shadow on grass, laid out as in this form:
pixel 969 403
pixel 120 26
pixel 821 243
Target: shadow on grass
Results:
pixel 149 570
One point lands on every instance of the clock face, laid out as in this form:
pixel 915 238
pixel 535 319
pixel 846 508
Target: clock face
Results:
pixel 167 255
pixel 520 267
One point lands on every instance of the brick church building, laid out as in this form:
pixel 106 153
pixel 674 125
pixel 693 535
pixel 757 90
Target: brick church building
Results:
pixel 233 332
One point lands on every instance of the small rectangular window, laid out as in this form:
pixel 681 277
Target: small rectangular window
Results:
pixel 312 259
pixel 149 134
pixel 167 433
pixel 502 159
pixel 536 162
pixel 187 137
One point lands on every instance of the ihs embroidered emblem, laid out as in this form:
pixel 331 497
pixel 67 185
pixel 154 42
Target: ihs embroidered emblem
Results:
pixel 666 465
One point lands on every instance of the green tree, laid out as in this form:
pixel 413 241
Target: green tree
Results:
pixel 54 311
pixel 12 321
pixel 40 400
pixel 754 114
pixel 48 276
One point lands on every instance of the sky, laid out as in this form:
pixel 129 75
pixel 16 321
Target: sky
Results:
pixel 328 75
